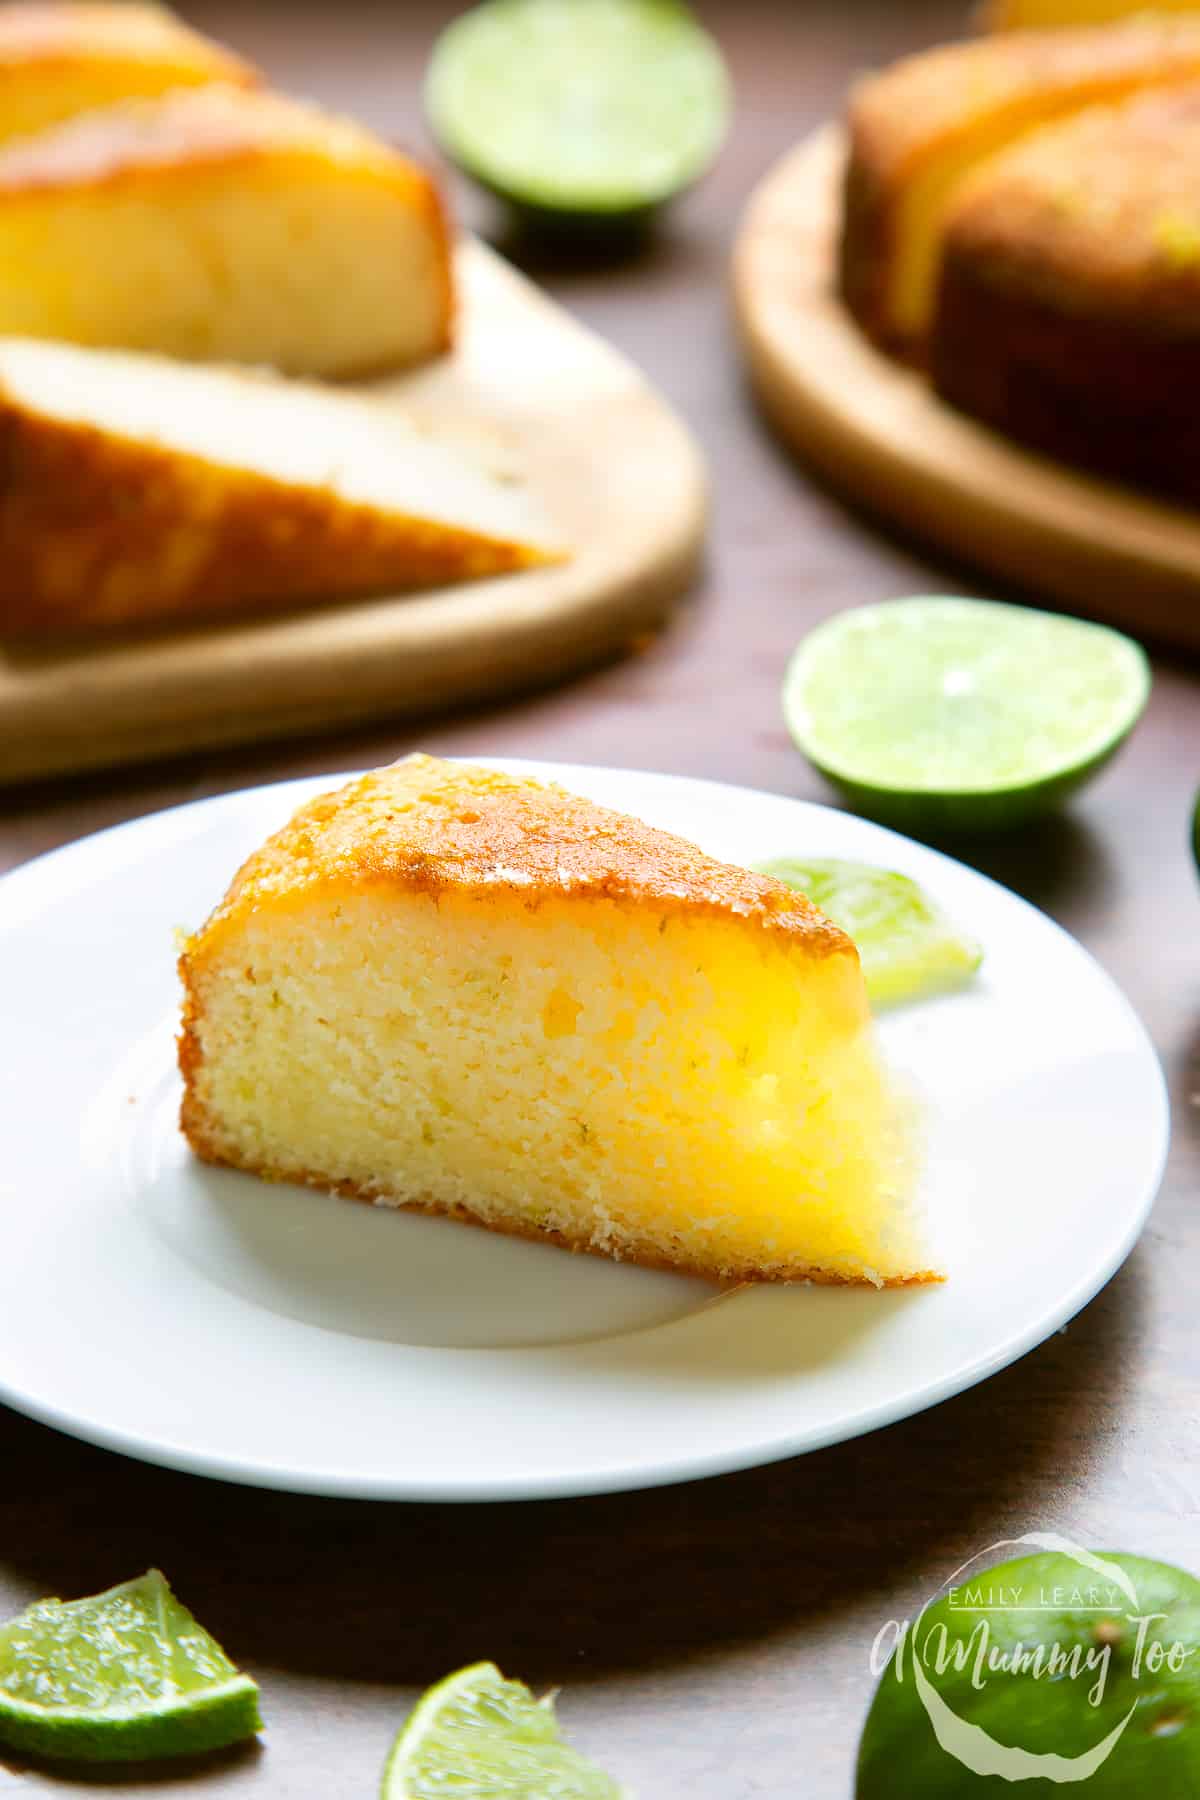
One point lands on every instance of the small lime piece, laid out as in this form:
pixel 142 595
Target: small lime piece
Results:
pixel 907 945
pixel 480 1737
pixel 126 1676
pixel 961 715
pixel 583 109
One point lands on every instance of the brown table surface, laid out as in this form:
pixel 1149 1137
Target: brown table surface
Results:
pixel 710 1639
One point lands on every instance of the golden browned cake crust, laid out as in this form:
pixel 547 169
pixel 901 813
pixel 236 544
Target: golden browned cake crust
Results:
pixel 969 100
pixel 1099 214
pixel 43 32
pixel 189 128
pixel 1054 15
pixel 431 826
pixel 1076 259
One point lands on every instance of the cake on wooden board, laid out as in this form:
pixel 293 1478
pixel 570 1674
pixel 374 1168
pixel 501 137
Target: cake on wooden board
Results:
pixel 921 127
pixel 59 60
pixel 223 223
pixel 453 989
pixel 136 489
pixel 1068 314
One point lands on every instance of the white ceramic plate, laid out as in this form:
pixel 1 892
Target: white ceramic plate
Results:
pixel 275 1336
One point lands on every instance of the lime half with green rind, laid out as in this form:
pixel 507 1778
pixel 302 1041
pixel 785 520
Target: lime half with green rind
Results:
pixel 579 110
pixel 1044 1658
pixel 947 714
pixel 124 1676
pixel 908 947
pixel 477 1736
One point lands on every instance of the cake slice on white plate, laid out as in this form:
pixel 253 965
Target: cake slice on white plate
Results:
pixel 473 993
pixel 135 489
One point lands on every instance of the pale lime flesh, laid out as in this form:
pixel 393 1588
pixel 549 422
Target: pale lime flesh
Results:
pixel 907 945
pixel 584 108
pixel 961 714
pixel 477 1736
pixel 124 1676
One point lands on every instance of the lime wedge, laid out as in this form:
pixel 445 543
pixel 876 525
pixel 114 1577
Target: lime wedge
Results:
pixel 961 715
pixel 907 945
pixel 127 1676
pixel 477 1736
pixel 580 109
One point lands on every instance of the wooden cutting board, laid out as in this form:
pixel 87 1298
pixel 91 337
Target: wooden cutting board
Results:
pixel 876 430
pixel 529 388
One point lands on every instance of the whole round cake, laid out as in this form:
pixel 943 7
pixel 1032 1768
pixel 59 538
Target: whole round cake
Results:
pixel 921 128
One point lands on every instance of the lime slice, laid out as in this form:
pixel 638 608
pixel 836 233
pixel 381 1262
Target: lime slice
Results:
pixel 127 1676
pixel 584 109
pixel 947 714
pixel 907 945
pixel 479 1737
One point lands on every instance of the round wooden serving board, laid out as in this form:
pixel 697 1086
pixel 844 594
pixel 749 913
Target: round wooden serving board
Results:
pixel 527 386
pixel 876 429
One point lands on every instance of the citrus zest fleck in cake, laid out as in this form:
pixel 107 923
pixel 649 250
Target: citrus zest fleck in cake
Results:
pixel 459 990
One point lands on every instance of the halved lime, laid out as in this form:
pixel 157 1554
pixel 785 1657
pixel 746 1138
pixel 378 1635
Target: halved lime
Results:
pixel 126 1676
pixel 1040 1675
pixel 907 945
pixel 949 714
pixel 477 1736
pixel 579 109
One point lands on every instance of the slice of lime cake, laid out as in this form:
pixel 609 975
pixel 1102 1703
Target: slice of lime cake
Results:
pixel 225 224
pixel 447 988
pixel 137 490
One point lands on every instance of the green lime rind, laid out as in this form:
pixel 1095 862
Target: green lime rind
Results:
pixel 579 109
pixel 908 947
pixel 949 715
pixel 1158 1752
pixel 480 1737
pixel 123 1676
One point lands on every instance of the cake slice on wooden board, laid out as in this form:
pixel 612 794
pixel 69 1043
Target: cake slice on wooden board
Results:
pixel 59 60
pixel 1069 307
pixel 225 224
pixel 136 489
pixel 921 127
pixel 457 990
